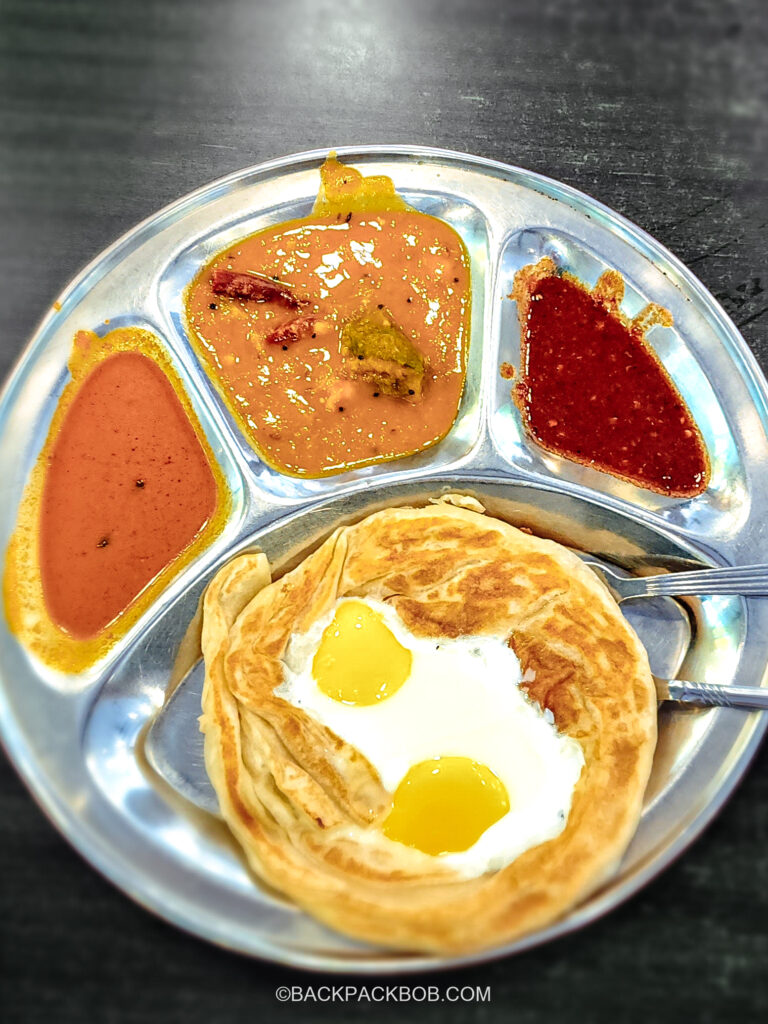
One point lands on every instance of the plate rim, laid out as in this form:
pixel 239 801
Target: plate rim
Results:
pixel 550 186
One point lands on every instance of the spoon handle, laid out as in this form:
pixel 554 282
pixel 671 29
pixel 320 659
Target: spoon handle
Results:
pixel 712 694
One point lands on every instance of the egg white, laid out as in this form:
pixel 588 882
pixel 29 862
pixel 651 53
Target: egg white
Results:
pixel 462 699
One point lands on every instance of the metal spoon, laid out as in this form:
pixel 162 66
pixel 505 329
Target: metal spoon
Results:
pixel 742 580
pixel 174 744
pixel 712 694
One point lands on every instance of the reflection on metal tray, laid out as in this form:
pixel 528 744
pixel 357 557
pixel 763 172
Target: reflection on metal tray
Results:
pixel 79 742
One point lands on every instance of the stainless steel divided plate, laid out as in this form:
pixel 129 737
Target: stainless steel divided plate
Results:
pixel 80 742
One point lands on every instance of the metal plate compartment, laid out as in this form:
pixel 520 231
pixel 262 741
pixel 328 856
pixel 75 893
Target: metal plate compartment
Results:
pixel 79 741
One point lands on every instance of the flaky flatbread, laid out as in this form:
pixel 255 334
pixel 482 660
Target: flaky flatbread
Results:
pixel 306 807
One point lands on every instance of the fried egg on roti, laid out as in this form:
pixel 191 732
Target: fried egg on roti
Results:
pixel 477 772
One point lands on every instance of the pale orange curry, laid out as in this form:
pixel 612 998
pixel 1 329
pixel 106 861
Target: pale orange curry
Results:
pixel 278 360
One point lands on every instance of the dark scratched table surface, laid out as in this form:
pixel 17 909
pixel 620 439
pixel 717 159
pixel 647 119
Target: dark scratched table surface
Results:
pixel 109 111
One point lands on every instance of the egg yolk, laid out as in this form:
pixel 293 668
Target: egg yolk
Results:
pixel 359 661
pixel 444 805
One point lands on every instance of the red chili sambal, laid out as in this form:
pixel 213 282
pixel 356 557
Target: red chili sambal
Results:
pixel 593 391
